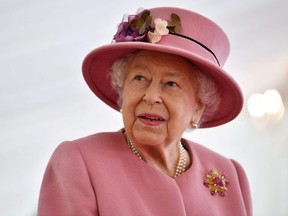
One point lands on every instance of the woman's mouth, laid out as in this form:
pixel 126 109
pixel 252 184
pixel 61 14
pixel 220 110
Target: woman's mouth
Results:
pixel 151 119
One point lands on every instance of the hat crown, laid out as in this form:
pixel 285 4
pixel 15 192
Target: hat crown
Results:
pixel 196 31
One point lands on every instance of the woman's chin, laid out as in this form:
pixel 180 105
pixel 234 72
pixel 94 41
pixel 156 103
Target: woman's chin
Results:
pixel 149 136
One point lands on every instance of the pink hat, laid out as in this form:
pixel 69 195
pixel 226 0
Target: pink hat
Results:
pixel 191 36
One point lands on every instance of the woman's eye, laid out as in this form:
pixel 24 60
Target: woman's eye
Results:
pixel 172 84
pixel 138 77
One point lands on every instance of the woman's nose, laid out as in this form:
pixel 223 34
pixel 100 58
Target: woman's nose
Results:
pixel 153 94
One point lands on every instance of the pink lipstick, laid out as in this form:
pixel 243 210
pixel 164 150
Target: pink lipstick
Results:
pixel 151 119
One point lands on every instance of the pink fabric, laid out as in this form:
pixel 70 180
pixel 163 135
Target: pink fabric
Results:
pixel 99 175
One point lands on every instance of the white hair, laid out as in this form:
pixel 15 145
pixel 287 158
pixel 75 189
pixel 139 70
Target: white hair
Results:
pixel 206 89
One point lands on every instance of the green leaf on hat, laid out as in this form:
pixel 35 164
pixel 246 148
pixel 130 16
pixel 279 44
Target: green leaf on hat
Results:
pixel 174 25
pixel 142 23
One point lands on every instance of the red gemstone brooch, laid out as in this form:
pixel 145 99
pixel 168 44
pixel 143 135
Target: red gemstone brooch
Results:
pixel 216 182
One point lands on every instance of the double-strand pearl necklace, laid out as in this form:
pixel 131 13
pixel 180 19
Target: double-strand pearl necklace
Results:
pixel 182 158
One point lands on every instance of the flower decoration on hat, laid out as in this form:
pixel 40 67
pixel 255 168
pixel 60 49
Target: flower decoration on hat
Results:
pixel 138 28
pixel 216 182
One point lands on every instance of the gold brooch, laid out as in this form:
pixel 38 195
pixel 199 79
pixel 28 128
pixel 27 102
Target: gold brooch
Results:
pixel 216 182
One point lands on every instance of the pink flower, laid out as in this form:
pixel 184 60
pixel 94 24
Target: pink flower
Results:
pixel 153 37
pixel 160 30
pixel 161 26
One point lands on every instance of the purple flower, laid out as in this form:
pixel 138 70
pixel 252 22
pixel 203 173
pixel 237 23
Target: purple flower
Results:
pixel 134 29
pixel 127 33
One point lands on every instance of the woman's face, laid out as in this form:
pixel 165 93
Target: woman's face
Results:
pixel 159 100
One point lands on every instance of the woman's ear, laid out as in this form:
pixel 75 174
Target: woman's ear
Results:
pixel 197 116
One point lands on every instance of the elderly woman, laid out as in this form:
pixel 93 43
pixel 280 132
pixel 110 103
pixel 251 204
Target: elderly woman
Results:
pixel 164 74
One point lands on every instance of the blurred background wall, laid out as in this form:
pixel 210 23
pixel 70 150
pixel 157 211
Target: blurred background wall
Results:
pixel 44 99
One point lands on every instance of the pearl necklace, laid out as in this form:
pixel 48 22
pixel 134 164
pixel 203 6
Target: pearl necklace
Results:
pixel 182 158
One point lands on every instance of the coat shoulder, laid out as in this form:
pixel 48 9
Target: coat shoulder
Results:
pixel 200 151
pixel 103 137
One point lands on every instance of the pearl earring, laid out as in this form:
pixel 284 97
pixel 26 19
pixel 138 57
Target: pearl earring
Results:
pixel 194 125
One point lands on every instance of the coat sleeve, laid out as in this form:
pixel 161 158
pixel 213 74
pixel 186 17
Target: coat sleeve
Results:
pixel 66 188
pixel 245 189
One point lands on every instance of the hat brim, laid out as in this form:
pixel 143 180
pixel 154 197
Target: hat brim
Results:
pixel 97 62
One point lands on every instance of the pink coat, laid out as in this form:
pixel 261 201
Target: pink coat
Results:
pixel 99 175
